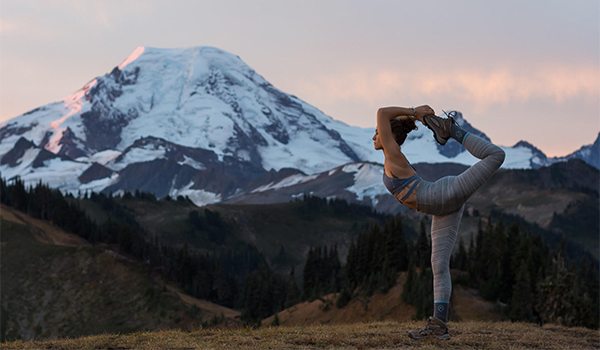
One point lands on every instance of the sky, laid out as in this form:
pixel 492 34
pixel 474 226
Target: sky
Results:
pixel 518 70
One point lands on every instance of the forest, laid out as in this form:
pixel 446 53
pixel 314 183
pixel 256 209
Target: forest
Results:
pixel 507 263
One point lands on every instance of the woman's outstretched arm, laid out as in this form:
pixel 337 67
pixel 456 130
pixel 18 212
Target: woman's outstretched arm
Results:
pixel 390 113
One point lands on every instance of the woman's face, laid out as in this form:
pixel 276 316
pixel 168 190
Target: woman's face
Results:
pixel 376 141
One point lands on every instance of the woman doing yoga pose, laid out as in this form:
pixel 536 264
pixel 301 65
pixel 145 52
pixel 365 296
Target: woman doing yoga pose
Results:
pixel 443 199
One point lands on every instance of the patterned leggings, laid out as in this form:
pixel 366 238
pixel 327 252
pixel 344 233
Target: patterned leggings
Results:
pixel 444 199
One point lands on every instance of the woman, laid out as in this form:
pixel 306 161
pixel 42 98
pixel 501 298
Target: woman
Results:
pixel 444 199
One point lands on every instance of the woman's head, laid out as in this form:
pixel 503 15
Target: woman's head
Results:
pixel 401 128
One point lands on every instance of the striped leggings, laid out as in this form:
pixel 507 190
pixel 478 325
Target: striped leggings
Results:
pixel 444 199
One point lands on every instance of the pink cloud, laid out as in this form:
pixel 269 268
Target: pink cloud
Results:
pixel 480 88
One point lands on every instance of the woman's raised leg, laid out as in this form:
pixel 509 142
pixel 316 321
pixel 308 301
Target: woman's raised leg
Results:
pixel 448 194
pixel 466 183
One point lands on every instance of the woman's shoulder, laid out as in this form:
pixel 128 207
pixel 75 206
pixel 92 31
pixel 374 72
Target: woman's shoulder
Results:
pixel 400 171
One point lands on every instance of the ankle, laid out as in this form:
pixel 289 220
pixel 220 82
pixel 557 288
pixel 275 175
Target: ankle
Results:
pixel 440 311
pixel 457 133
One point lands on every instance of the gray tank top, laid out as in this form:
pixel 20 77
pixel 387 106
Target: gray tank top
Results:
pixel 395 185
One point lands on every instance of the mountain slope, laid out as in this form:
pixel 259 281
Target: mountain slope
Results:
pixel 57 284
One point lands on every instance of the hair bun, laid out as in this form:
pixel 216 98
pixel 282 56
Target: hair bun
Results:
pixel 401 127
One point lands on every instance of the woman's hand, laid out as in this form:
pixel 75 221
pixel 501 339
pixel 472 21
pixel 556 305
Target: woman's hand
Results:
pixel 422 111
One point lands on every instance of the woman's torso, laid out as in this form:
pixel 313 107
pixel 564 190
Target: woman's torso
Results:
pixel 402 181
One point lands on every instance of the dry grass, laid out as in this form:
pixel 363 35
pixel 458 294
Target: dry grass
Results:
pixel 371 335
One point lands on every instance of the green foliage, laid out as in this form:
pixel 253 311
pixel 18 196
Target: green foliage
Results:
pixel 210 226
pixel 508 265
pixel 264 293
pixel 566 298
pixel 293 295
pixel 376 257
pixel 310 207
pixel 418 291
pixel 521 304
pixel 322 272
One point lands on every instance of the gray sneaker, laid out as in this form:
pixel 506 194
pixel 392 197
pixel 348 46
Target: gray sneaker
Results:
pixel 441 127
pixel 435 328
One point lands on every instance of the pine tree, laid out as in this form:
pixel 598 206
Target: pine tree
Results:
pixel 522 296
pixel 309 276
pixel 563 298
pixel 423 248
pixel 460 259
pixel 293 293
pixel 409 288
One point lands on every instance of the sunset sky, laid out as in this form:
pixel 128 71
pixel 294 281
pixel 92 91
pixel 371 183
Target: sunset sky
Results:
pixel 518 70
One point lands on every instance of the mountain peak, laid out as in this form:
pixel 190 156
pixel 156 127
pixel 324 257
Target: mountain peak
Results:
pixel 523 143
pixel 196 56
pixel 199 120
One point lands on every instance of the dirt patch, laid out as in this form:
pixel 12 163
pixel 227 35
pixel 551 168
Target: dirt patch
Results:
pixel 378 307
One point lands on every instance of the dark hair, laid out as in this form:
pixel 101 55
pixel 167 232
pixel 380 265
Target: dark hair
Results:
pixel 401 128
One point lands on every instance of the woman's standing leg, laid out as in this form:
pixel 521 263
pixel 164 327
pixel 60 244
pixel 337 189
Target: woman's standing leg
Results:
pixel 444 230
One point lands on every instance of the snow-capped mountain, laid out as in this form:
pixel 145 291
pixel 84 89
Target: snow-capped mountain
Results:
pixel 198 122
pixel 588 153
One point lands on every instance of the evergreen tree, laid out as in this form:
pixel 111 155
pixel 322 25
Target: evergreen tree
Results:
pixel 409 290
pixel 423 248
pixel 563 298
pixel 522 297
pixel 460 259
pixel 293 293
pixel 309 276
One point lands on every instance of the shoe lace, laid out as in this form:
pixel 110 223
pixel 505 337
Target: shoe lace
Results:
pixel 451 114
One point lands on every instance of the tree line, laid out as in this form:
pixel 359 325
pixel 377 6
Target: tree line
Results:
pixel 508 266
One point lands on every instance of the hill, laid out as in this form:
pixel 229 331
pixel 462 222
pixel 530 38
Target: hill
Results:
pixel 467 305
pixel 364 335
pixel 56 284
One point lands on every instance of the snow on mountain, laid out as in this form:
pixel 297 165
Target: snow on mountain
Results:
pixel 33 164
pixel 355 182
pixel 200 122
pixel 367 180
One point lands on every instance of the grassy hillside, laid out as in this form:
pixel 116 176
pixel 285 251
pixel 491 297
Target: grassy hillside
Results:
pixel 55 284
pixel 365 335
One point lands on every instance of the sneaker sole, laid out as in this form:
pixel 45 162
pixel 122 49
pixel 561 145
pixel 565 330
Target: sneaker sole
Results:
pixel 435 135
